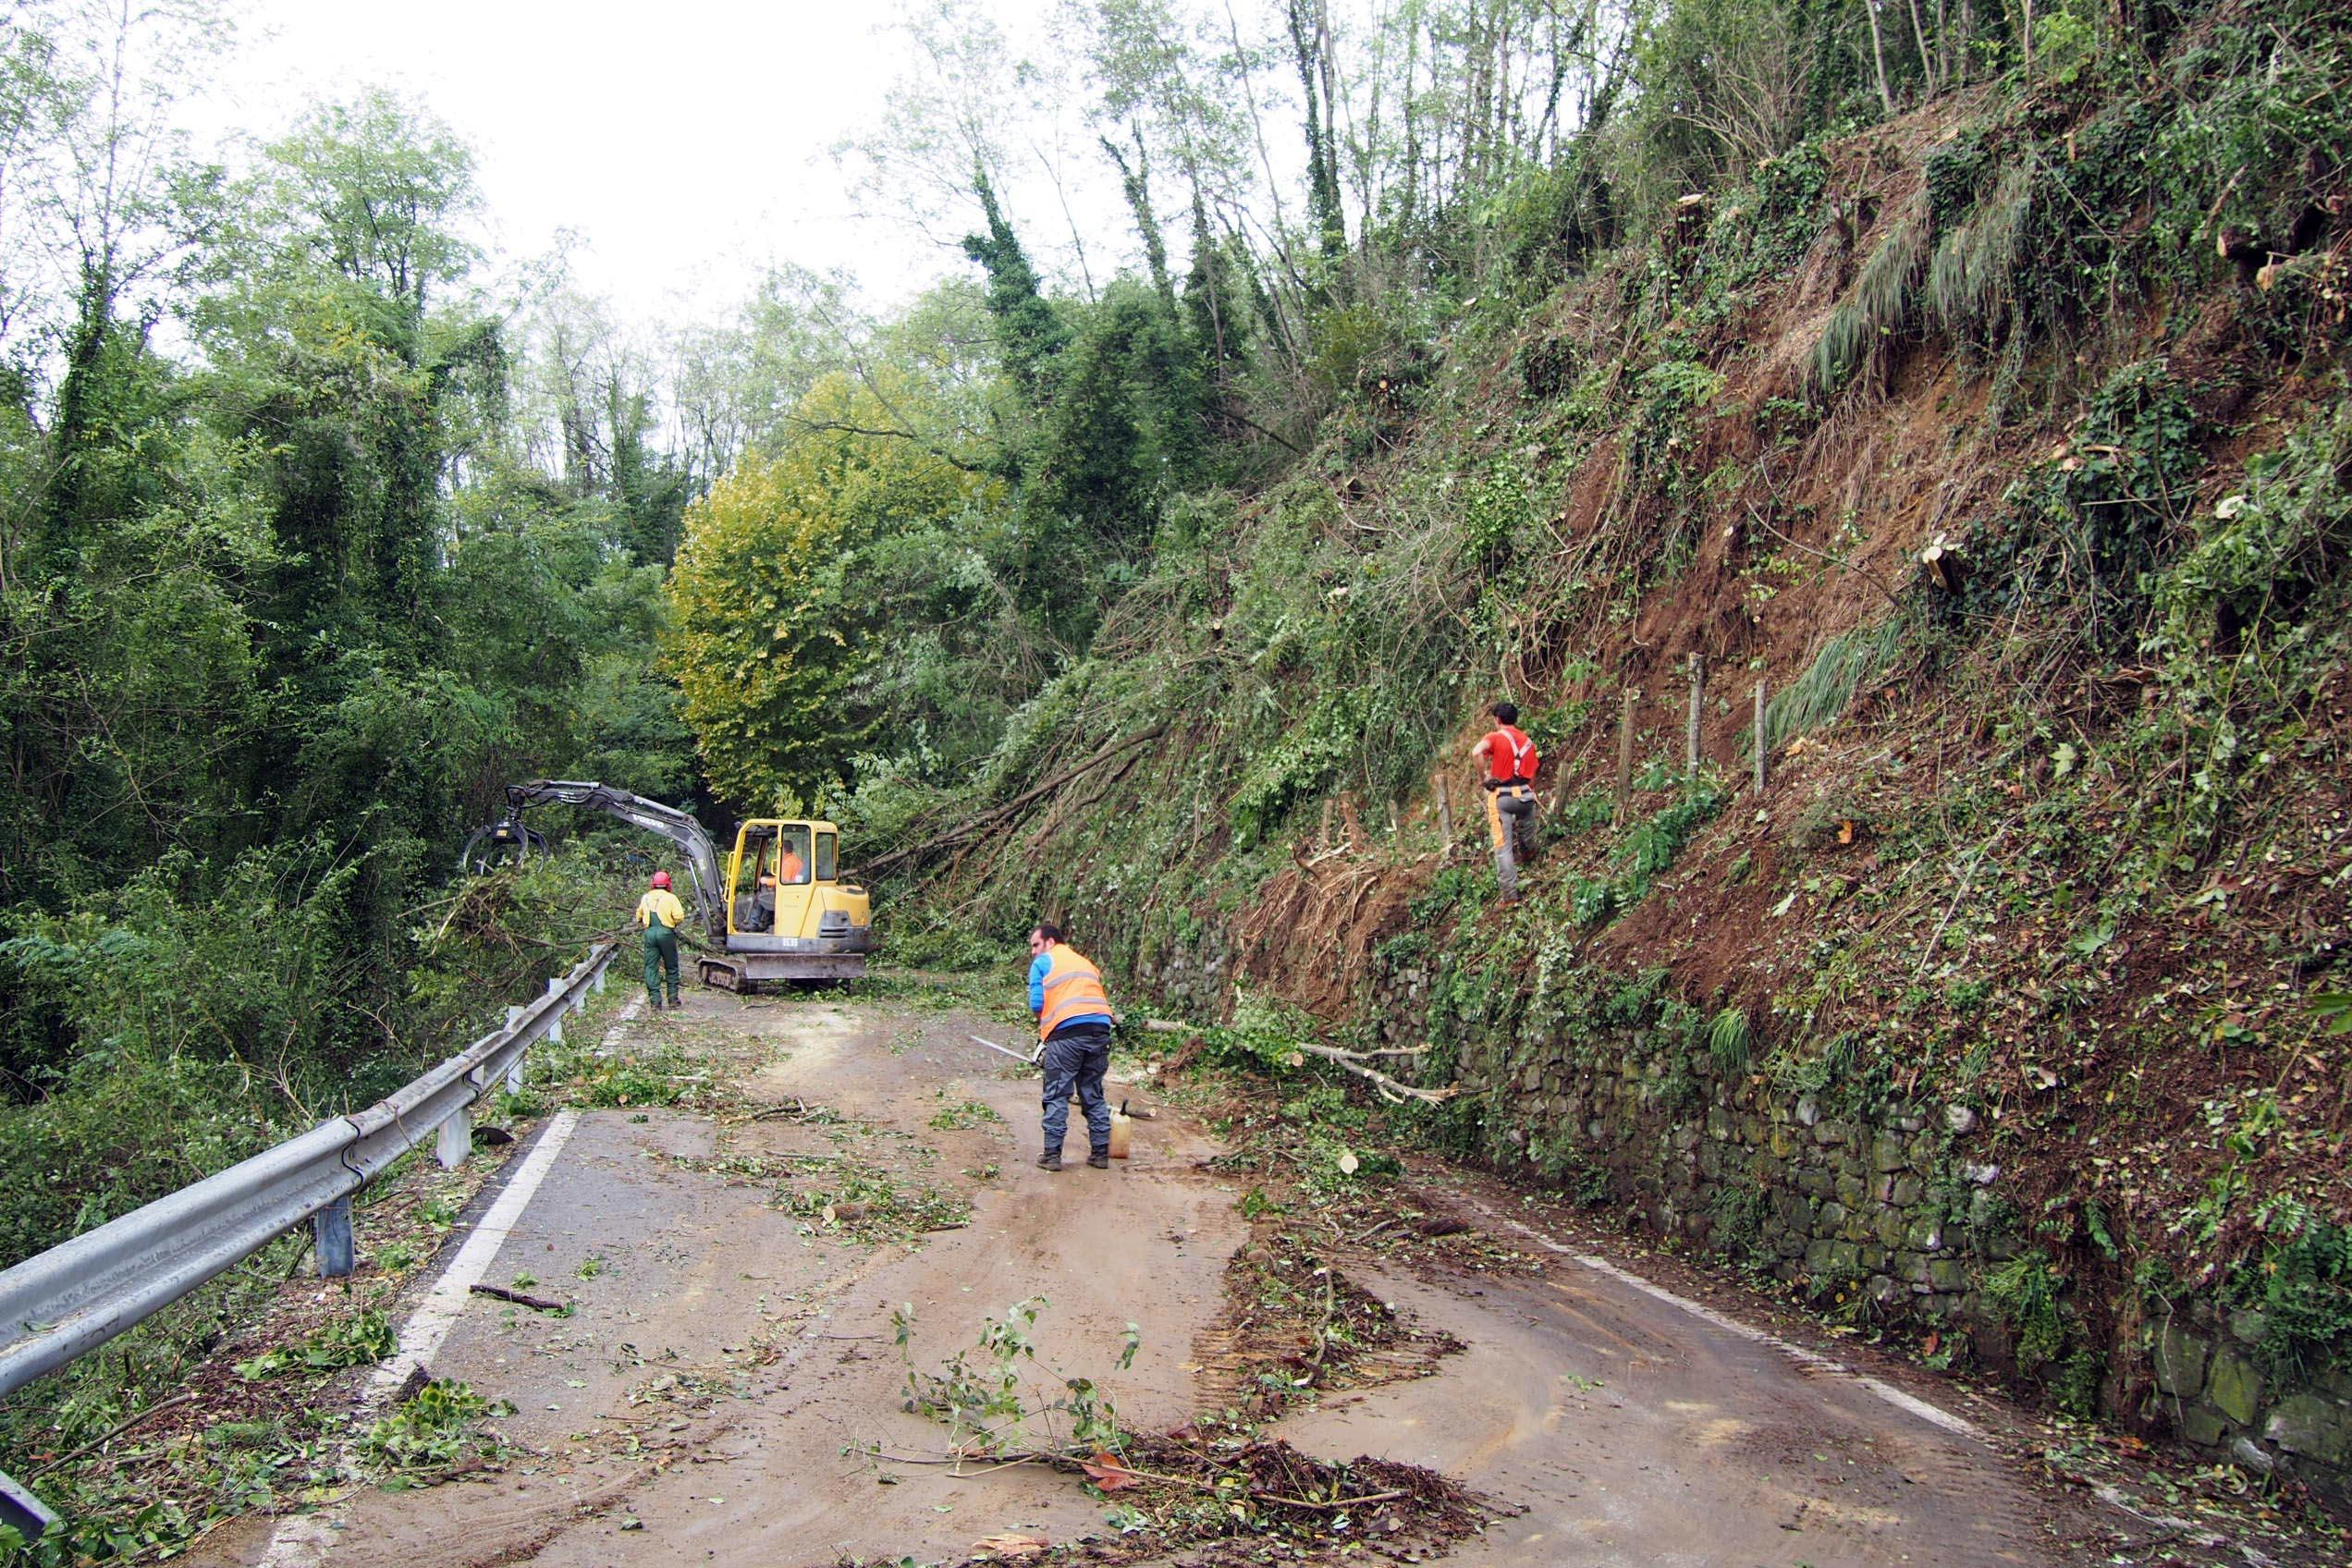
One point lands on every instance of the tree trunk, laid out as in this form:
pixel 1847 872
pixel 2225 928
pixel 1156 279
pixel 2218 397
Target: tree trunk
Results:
pixel 1878 56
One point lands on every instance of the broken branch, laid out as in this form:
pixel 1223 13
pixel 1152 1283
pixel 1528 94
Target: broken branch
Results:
pixel 537 1304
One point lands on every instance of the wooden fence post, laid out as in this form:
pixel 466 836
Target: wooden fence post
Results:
pixel 1625 751
pixel 1756 735
pixel 1697 695
pixel 1445 811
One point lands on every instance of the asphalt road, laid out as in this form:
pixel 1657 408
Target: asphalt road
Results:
pixel 730 1367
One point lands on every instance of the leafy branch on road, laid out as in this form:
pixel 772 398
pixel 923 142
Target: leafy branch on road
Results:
pixel 1004 1404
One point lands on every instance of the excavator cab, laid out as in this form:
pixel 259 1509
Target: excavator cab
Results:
pixel 788 914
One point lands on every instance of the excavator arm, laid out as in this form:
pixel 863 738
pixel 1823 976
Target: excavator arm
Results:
pixel 667 822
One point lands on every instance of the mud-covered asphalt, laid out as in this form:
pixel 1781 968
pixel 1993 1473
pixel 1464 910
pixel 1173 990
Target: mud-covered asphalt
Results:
pixel 730 1367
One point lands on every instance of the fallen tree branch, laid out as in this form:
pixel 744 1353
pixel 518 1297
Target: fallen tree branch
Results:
pixel 996 814
pixel 111 1433
pixel 1389 1087
pixel 537 1304
pixel 1335 1502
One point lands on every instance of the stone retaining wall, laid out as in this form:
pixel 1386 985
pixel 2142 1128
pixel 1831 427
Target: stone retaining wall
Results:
pixel 1898 1216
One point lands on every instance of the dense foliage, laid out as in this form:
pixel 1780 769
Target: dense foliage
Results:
pixel 284 608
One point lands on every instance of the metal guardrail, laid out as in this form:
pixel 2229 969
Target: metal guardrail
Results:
pixel 64 1303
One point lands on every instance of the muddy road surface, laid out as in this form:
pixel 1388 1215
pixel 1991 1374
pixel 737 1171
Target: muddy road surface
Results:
pixel 727 1386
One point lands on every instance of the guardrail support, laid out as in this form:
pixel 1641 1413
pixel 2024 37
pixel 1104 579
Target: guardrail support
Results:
pixel 20 1508
pixel 598 983
pixel 555 1024
pixel 514 1072
pixel 455 1141
pixel 331 1238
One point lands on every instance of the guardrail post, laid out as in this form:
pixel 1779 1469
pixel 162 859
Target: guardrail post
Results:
pixel 555 1024
pixel 331 1237
pixel 514 1073
pixel 600 977
pixel 455 1140
pixel 20 1508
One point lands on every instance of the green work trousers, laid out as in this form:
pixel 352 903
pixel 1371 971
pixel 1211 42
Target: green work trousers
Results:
pixel 661 955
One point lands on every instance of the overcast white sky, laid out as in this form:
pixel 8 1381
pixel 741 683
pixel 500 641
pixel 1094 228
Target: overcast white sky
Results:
pixel 686 143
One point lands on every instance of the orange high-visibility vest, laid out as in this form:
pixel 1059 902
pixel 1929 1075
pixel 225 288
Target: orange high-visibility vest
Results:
pixel 1072 988
pixel 1511 756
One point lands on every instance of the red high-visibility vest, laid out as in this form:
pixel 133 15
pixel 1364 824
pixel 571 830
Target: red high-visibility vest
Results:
pixel 1511 756
pixel 1072 988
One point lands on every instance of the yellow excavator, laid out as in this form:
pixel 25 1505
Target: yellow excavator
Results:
pixel 777 910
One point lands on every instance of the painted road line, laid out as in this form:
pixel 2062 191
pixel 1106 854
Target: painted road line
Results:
pixel 1934 1415
pixel 303 1538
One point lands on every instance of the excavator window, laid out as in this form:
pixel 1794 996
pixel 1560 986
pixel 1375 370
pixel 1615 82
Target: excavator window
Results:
pixel 792 855
pixel 824 857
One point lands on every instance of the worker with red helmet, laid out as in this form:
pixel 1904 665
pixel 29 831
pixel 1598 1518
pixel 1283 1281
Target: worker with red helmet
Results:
pixel 1509 758
pixel 661 915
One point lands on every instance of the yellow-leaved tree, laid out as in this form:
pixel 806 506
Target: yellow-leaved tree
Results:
pixel 774 610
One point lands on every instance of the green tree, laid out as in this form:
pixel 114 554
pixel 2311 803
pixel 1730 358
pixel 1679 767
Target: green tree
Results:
pixel 775 622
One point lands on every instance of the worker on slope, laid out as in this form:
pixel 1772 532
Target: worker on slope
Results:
pixel 1510 759
pixel 1073 1020
pixel 661 915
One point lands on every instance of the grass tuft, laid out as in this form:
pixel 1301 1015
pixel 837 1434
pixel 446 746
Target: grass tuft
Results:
pixel 1876 308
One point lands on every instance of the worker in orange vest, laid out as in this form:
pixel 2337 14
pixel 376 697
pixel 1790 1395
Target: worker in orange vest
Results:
pixel 1510 761
pixel 1074 1021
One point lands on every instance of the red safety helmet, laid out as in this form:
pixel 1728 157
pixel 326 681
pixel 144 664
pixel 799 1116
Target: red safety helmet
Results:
pixel 661 878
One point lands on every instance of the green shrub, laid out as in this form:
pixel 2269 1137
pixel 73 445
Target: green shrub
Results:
pixel 2024 1291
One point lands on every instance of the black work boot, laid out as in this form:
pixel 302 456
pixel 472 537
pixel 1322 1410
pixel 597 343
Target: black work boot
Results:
pixel 1100 1159
pixel 1049 1161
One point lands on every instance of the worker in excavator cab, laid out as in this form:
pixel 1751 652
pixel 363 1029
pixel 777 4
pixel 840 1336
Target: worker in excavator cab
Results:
pixel 661 915
pixel 1510 761
pixel 791 869
pixel 1074 1021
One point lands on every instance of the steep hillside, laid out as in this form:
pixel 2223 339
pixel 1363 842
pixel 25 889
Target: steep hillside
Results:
pixel 2004 445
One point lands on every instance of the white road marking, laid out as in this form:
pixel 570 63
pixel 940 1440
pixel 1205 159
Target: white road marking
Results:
pixel 305 1537
pixel 1910 1404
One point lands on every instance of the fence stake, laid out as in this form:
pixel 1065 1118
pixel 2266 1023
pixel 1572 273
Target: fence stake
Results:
pixel 1697 695
pixel 455 1140
pixel 1445 812
pixel 331 1236
pixel 1625 751
pixel 1759 738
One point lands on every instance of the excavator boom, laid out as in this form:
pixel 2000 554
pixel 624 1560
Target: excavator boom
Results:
pixel 667 822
